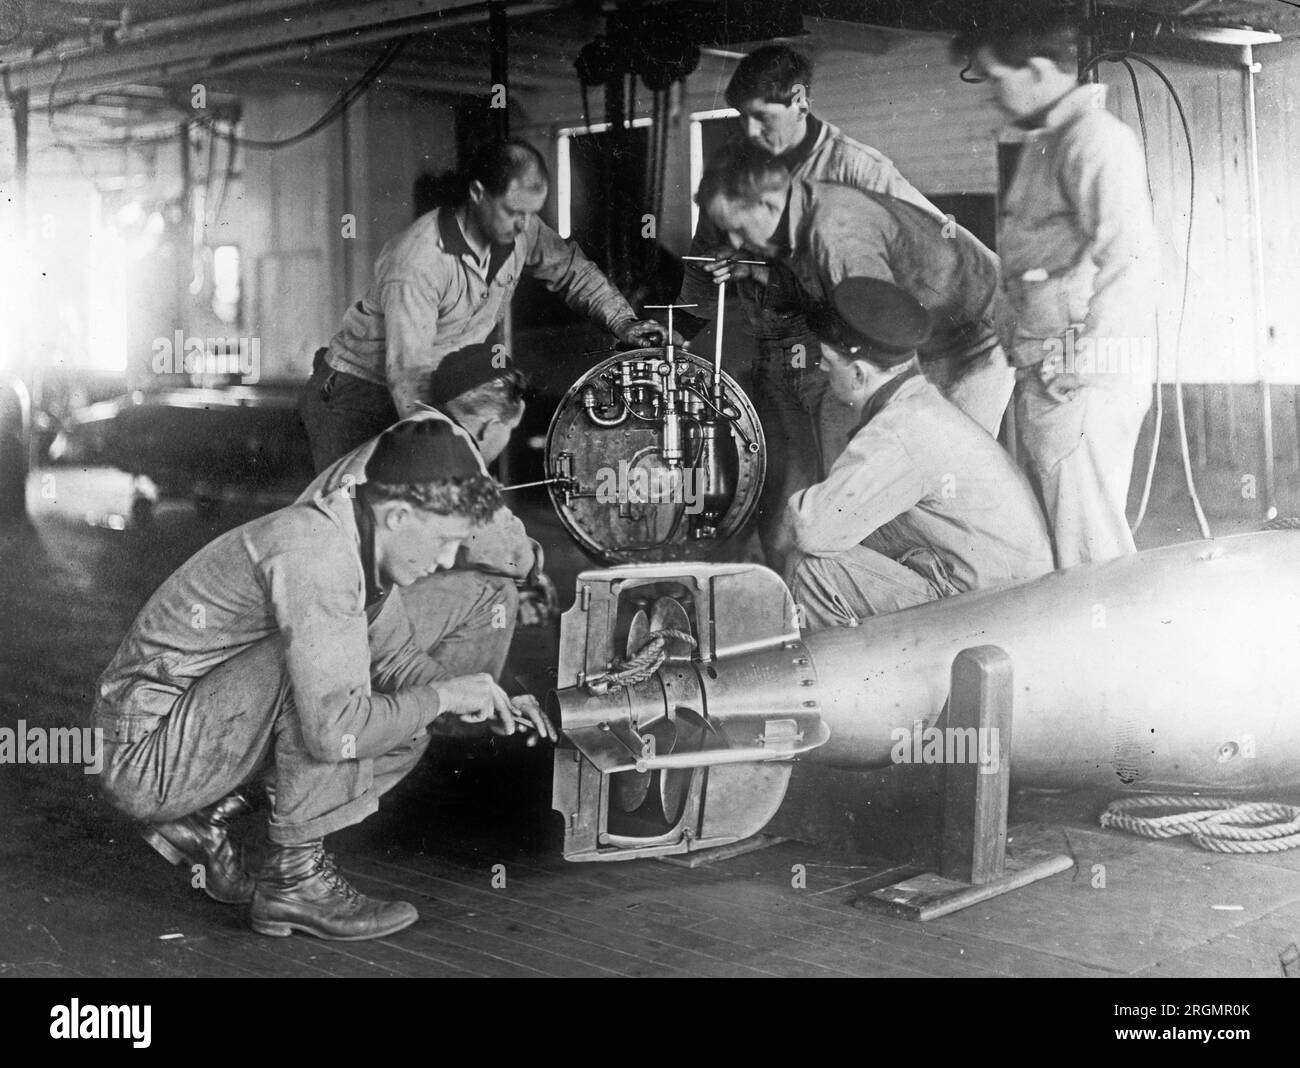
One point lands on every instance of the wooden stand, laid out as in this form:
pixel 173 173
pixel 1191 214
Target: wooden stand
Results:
pixel 973 863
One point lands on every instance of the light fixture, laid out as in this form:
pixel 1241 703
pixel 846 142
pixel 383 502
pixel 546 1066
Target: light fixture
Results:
pixel 1228 35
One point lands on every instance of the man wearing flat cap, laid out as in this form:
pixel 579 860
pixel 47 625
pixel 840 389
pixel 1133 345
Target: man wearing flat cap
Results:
pixel 923 503
pixel 278 664
pixel 465 615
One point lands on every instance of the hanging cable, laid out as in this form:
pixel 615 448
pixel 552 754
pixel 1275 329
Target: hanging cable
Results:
pixel 1160 397
pixel 332 114
pixel 1184 449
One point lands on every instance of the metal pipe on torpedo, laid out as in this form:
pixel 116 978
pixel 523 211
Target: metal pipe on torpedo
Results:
pixel 671 447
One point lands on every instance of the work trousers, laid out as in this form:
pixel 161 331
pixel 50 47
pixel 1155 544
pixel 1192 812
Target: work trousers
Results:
pixel 342 412
pixel 787 389
pixel 240 723
pixel 1079 455
pixel 840 589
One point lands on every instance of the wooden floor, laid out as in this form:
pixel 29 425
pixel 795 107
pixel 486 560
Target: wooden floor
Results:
pixel 82 895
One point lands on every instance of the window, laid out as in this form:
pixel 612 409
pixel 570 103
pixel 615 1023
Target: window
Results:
pixel 710 130
pixel 579 168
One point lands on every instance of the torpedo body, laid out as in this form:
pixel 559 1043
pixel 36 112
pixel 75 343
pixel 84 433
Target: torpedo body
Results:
pixel 1172 669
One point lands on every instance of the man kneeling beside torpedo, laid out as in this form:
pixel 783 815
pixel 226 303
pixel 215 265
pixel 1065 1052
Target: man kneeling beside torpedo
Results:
pixel 278 664
pixel 923 503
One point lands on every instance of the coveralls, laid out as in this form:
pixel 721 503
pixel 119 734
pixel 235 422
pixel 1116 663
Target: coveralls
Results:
pixel 786 383
pixel 432 295
pixel 1079 258
pixel 492 561
pixel 275 643
pixel 922 504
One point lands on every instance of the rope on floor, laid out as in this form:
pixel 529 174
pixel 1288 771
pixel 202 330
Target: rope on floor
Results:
pixel 639 667
pixel 1221 825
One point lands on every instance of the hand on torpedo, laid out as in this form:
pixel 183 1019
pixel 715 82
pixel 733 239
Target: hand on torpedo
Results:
pixel 643 333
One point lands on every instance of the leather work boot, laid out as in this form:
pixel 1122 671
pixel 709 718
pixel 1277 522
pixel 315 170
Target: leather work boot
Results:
pixel 300 889
pixel 204 838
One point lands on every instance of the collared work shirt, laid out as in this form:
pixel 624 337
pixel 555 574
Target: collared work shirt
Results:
pixel 920 474
pixel 834 232
pixel 297 573
pixel 826 155
pixel 432 295
pixel 1078 244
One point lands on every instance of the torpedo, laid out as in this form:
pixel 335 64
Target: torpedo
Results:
pixel 1168 670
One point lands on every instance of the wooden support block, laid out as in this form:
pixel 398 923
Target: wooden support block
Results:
pixel 702 857
pixel 977 777
pixel 977 782
pixel 929 896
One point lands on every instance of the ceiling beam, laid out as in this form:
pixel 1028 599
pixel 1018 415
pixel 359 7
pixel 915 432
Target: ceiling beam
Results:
pixel 306 75
pixel 145 55
pixel 471 79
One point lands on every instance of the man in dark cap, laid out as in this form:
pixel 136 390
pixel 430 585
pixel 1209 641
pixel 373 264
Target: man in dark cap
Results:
pixel 465 615
pixel 482 391
pixel 497 578
pixel 772 90
pixel 923 503
pixel 815 234
pixel 280 655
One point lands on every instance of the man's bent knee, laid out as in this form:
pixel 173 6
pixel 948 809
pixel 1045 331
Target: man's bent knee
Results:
pixel 129 799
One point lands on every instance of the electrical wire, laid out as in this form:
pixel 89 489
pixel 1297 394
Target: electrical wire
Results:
pixel 632 412
pixel 1160 397
pixel 1184 449
pixel 333 113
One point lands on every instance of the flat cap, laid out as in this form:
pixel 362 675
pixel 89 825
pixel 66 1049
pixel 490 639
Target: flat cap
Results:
pixel 471 366
pixel 418 451
pixel 879 316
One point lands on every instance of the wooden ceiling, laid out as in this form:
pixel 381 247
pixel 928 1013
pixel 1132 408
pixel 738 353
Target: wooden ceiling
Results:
pixel 104 64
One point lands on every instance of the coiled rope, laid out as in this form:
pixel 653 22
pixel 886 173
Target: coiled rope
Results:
pixel 638 667
pixel 1218 824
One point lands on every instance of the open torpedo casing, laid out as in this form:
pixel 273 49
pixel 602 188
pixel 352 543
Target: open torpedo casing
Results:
pixel 1168 669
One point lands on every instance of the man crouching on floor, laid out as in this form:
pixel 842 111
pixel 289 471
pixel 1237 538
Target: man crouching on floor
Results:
pixel 279 660
pixel 923 503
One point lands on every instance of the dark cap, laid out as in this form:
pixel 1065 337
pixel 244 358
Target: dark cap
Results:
pixel 878 317
pixel 462 370
pixel 426 450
